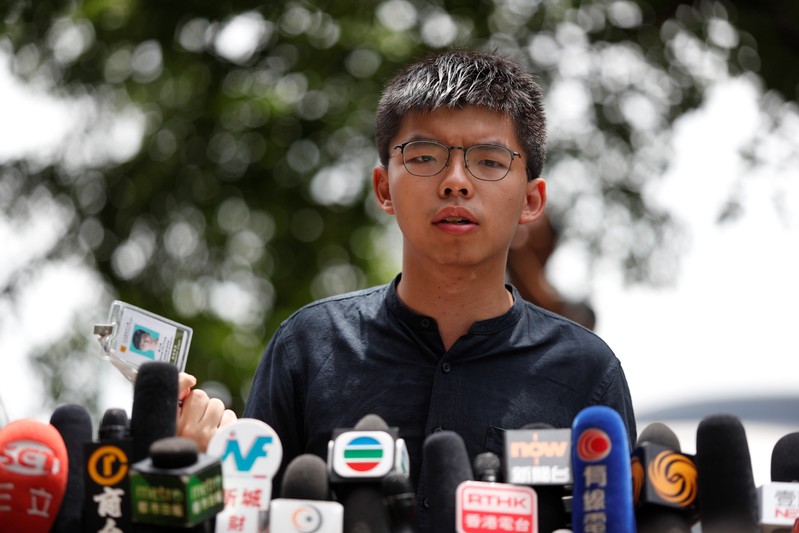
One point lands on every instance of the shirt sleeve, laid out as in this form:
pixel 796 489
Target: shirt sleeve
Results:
pixel 615 392
pixel 275 398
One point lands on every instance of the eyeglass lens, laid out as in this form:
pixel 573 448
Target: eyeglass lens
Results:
pixel 484 161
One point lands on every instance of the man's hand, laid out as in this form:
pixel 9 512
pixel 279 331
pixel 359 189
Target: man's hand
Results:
pixel 199 416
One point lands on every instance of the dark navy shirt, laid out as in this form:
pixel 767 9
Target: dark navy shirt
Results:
pixel 341 358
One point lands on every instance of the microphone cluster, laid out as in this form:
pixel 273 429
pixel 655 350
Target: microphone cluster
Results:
pixel 136 475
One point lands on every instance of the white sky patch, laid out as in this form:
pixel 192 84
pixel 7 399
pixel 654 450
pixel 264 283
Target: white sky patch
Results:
pixel 33 123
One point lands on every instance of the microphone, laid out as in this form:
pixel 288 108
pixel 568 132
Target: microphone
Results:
pixel 155 406
pixel 727 496
pixel 539 456
pixel 400 500
pixel 664 483
pixel 779 500
pixel 175 486
pixel 74 424
pixel 486 467
pixel 446 467
pixel 303 506
pixel 34 466
pixel 603 492
pixel 785 459
pixel 251 453
pixel 358 460
pixel 106 502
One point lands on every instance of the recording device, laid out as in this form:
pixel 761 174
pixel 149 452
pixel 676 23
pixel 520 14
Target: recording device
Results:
pixel 176 486
pixel 778 501
pixel 602 477
pixel 664 483
pixel 304 505
pixel 155 406
pixel 106 502
pixel 727 495
pixel 539 456
pixel 358 460
pixel 74 424
pixel 251 453
pixel 447 465
pixel 34 467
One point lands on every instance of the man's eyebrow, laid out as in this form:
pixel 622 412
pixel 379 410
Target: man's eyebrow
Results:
pixel 493 141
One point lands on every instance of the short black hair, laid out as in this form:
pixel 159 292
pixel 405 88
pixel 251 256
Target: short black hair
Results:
pixel 136 339
pixel 459 78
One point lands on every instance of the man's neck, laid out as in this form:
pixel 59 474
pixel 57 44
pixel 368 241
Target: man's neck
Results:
pixel 455 297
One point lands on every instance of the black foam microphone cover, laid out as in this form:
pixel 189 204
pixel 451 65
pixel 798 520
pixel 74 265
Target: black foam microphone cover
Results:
pixel 785 459
pixel 400 501
pixel 306 479
pixel 155 406
pixel 447 465
pixel 114 425
pixel 727 494
pixel 74 424
pixel 486 467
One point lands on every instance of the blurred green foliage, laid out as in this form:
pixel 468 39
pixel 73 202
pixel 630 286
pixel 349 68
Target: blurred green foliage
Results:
pixel 221 175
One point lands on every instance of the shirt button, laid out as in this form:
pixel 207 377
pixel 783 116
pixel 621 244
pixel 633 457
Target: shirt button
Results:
pixel 425 323
pixel 426 503
pixel 446 367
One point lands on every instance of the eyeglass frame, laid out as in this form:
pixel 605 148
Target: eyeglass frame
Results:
pixel 513 155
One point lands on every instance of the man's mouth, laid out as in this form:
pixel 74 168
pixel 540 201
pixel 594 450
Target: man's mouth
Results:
pixel 454 220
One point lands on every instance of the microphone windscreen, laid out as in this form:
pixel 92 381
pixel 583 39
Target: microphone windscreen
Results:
pixel 114 425
pixel 486 467
pixel 33 475
pixel 401 502
pixel 659 433
pixel 447 465
pixel 785 459
pixel 155 406
pixel 74 424
pixel 171 453
pixel 306 479
pixel 371 422
pixel 603 491
pixel 727 494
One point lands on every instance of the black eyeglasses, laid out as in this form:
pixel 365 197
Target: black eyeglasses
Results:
pixel 487 162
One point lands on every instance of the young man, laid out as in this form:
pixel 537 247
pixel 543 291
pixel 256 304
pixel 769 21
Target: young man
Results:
pixel 447 345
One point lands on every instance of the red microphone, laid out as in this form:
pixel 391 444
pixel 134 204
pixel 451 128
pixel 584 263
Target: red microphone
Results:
pixel 33 475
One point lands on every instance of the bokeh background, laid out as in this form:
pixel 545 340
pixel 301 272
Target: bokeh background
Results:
pixel 211 162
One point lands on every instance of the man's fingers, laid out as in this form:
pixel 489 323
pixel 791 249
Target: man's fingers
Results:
pixel 201 416
pixel 228 418
pixel 185 383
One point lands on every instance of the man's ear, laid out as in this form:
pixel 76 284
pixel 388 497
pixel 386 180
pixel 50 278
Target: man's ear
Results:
pixel 535 201
pixel 382 190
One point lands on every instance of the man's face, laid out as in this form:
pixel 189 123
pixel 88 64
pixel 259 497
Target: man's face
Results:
pixel 148 343
pixel 453 218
